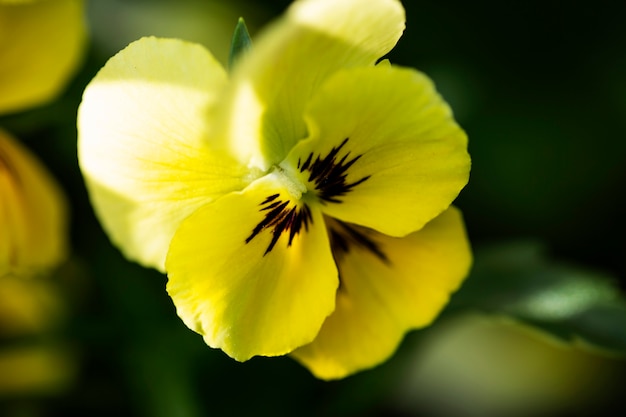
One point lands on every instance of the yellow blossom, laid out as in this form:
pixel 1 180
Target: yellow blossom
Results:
pixel 32 212
pixel 41 42
pixel 36 369
pixel 300 204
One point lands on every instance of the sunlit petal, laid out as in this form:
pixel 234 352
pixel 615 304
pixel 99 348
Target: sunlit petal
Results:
pixel 145 144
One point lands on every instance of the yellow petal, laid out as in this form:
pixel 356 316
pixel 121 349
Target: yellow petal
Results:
pixel 291 60
pixel 400 285
pixel 406 156
pixel 32 212
pixel 145 146
pixel 41 44
pixel 246 293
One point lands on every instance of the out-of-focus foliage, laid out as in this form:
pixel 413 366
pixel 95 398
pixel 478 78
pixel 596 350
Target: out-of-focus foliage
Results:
pixel 475 365
pixel 568 302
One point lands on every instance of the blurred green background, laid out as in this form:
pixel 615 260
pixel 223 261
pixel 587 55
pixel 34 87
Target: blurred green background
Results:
pixel 540 88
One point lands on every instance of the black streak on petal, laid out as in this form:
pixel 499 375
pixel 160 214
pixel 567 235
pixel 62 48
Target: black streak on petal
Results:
pixel 344 236
pixel 329 174
pixel 281 219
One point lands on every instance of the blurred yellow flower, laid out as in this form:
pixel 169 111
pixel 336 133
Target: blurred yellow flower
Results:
pixel 301 205
pixel 33 240
pixel 40 46
pixel 30 307
pixel 32 213
pixel 36 369
pixel 41 43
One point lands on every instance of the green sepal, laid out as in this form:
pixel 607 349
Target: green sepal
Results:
pixel 570 303
pixel 240 43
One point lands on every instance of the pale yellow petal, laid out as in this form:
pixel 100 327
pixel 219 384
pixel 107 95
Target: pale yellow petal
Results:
pixel 41 45
pixel 387 289
pixel 33 212
pixel 253 272
pixel 145 143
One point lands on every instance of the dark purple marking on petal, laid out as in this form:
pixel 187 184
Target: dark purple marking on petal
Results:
pixel 281 218
pixel 345 236
pixel 329 174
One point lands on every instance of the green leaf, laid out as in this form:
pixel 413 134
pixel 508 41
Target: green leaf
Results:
pixel 571 303
pixel 240 43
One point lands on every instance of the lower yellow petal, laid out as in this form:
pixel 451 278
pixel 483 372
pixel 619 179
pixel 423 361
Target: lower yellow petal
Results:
pixel 388 287
pixel 249 278
pixel 33 212
pixel 40 46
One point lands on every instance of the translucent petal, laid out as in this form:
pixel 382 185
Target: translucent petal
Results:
pixel 384 295
pixel 292 59
pixel 41 44
pixel 400 160
pixel 145 145
pixel 33 212
pixel 245 291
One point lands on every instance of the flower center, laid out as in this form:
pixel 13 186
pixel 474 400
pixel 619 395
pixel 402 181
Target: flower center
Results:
pixel 327 180
pixel 295 187
pixel 329 175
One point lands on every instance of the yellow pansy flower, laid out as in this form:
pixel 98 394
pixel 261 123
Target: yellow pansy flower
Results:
pixel 41 43
pixel 33 213
pixel 300 205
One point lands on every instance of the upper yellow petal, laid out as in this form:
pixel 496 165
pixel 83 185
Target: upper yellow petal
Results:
pixel 145 143
pixel 253 271
pixel 32 212
pixel 395 157
pixel 291 60
pixel 388 287
pixel 41 44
